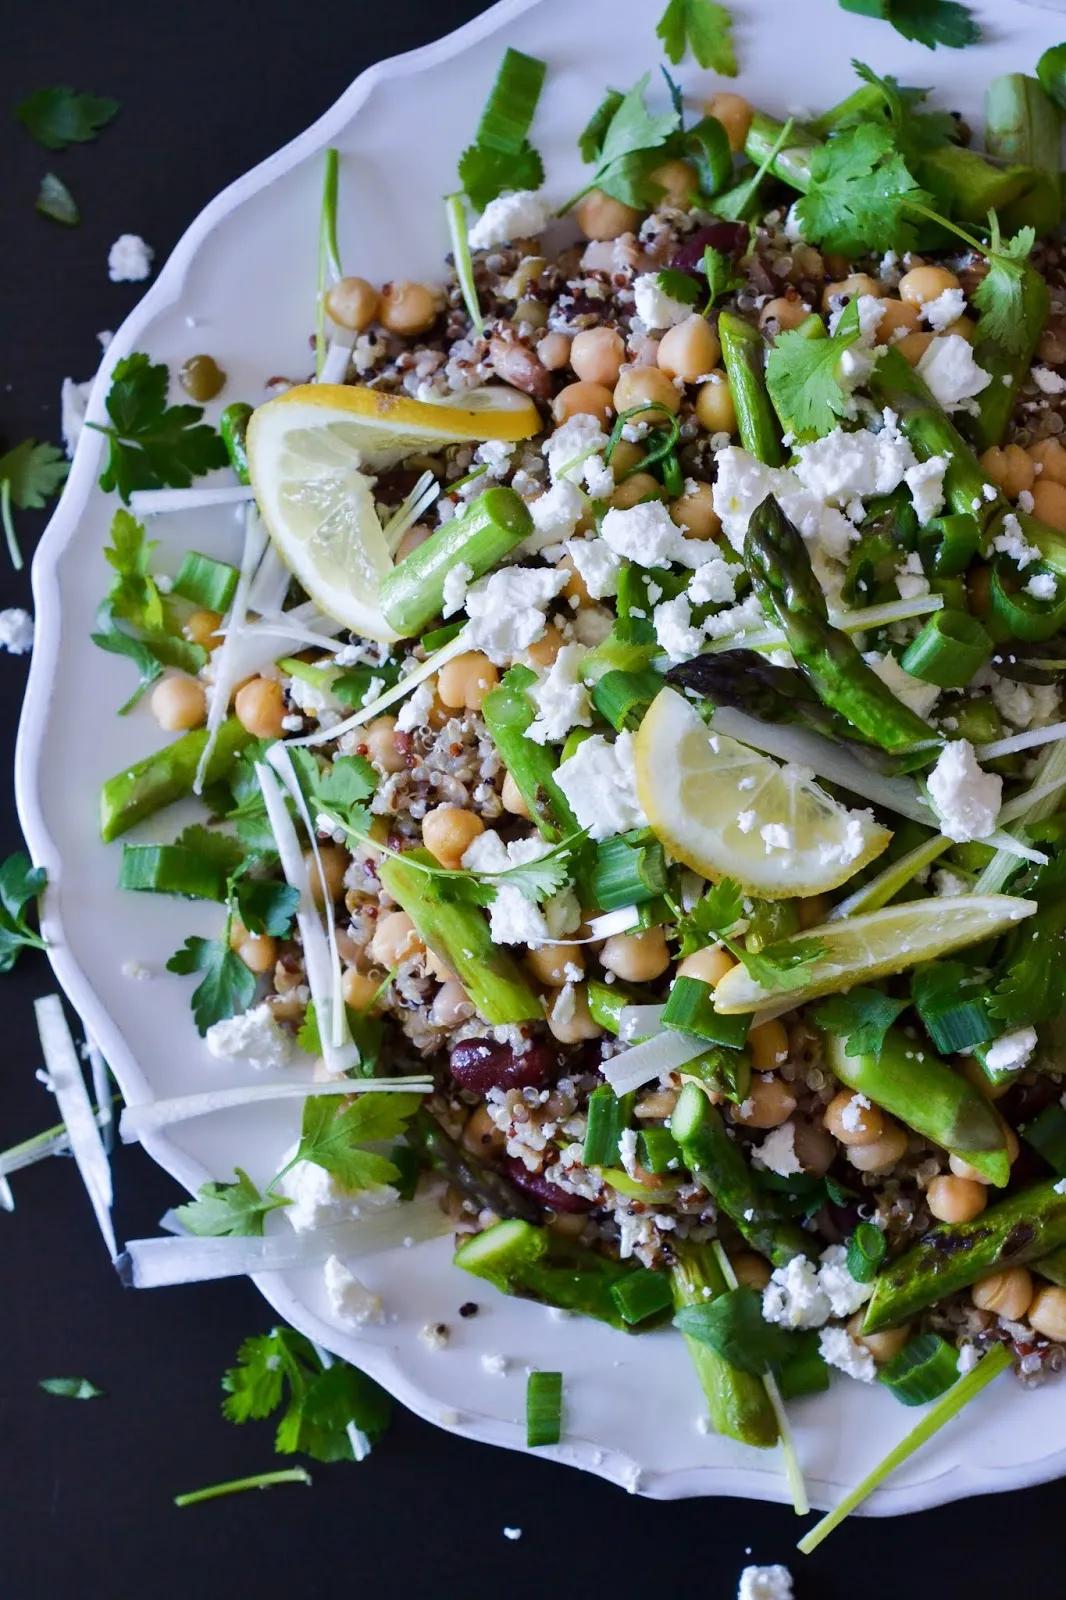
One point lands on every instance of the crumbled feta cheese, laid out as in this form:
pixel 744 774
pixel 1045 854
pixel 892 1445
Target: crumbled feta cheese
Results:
pixel 714 583
pixel 765 1583
pixel 851 1116
pixel 599 781
pixel 513 919
pixel 319 1201
pixel 842 465
pixel 1060 1187
pixel 596 564
pixel 561 699
pixel 965 798
pixel 591 625
pixel 521 215
pixel 506 609
pixel 16 631
pixel 925 480
pixel 456 582
pixel 917 696
pixel 496 1364
pixel 1013 543
pixel 599 477
pixel 969 1356
pixel 742 483
pixel 1025 705
pixel 312 701
pixel 951 373
pixel 777 1153
pixel 675 631
pixel 577 440
pixel 555 514
pixel 643 533
pixel 911 581
pixel 135 970
pixel 73 403
pixel 739 619
pixel 254 1037
pixel 844 1293
pixel 840 1350
pixel 775 836
pixel 1041 586
pixel 349 1300
pixel 627 1151
pixel 496 455
pixel 1011 1051
pixel 129 260
pixel 947 308
pixel 793 225
pixel 794 1297
pixel 655 308
pixel 414 713
pixel 1048 382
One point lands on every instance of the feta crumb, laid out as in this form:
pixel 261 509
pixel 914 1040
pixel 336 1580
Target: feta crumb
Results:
pixel 16 631
pixel 925 480
pixel 599 477
pixel 434 1335
pixel 575 441
pixel 1011 1051
pixel 349 1300
pixel 944 310
pixel 840 1350
pixel 775 836
pixel 1041 586
pixel 521 215
pixel 1048 382
pixel 556 514
pixel 135 970
pixel 851 1116
pixel 599 781
pixel 794 1297
pixel 765 1583
pixel 561 699
pixel 675 630
pixel 655 308
pixel 965 798
pixel 911 581
pixel 969 1356
pixel 254 1037
pixel 456 582
pixel 844 1293
pixel 414 713
pixel 319 1201
pixel 714 583
pixel 496 1364
pixel 512 1533
pixel 1060 1187
pixel 1013 543
pixel 951 373
pixel 777 1153
pixel 506 609
pixel 596 564
pixel 73 403
pixel 648 535
pixel 129 260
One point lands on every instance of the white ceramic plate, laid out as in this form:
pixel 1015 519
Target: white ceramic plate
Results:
pixel 241 285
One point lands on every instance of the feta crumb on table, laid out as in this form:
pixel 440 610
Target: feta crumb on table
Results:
pixel 16 631
pixel 129 260
pixel 765 1583
pixel 512 1533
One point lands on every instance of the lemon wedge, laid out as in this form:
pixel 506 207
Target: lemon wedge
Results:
pixel 729 812
pixel 879 943
pixel 309 455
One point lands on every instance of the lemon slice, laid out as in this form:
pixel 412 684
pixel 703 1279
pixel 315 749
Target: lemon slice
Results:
pixel 878 944
pixel 729 812
pixel 309 455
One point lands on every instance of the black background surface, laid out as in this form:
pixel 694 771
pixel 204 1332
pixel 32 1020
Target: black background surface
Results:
pixel 207 90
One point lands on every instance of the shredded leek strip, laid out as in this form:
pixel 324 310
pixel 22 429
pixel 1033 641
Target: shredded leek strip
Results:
pixel 1022 741
pixel 399 691
pixel 136 1121
pixel 1034 806
pixel 270 584
pixel 105 1115
pixel 54 1141
pixel 421 497
pixel 335 362
pixel 770 638
pixel 8 524
pixel 630 1069
pixel 75 1107
pixel 149 502
pixel 255 541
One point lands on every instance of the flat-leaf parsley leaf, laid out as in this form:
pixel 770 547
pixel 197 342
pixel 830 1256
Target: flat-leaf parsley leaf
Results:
pixel 152 445
pixel 59 117
pixel 229 1210
pixel 705 28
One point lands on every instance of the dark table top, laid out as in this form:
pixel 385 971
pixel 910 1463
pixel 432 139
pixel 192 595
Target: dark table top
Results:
pixel 85 1508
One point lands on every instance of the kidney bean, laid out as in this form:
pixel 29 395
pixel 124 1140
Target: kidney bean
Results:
pixel 548 1194
pixel 517 365
pixel 731 238
pixel 483 1064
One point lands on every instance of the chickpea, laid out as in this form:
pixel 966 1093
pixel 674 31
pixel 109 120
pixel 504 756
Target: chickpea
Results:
pixel 689 350
pixel 882 1346
pixel 963 1169
pixel 600 216
pixel 1050 457
pixel 179 703
pixel 596 356
pixel 353 303
pixel 815 1150
pixel 360 989
pixel 734 113
pixel 849 289
pixel 1049 502
pixel 408 308
pixel 626 455
pixel 636 957
pixel 952 1199
pixel 1007 1293
pixel 678 181
pixel 751 1270
pixel 922 284
pixel 1010 468
pixel 962 327
pixel 334 859
pixel 575 588
pixel 260 707
pixel 258 951
pixel 912 347
pixel 448 832
pixel 379 737
pixel 649 388
pixel 1052 346
pixel 513 799
pixel 694 512
pixel 659 1103
pixel 415 535
pixel 395 940
pixel 583 400
pixel 543 651
pixel 851 1122
pixel 639 486
pixel 553 351
pixel 768 1046
pixel 570 1025
pixel 1047 1313
pixel 710 965
pixel 463 682
pixel 896 315
pixel 715 410
pixel 786 311
pixel 481 1134
pixel 439 968
pixel 201 627
pixel 770 1102
pixel 880 1155
pixel 555 964
pixel 451 1005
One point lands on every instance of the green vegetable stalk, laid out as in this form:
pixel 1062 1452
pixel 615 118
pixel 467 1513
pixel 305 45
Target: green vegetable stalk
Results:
pixel 233 426
pixel 742 356
pixel 412 594
pixel 508 712
pixel 149 785
pixel 737 1401
pixel 1022 126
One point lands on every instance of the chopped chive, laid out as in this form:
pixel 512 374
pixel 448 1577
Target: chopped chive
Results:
pixel 455 210
pixel 544 1408
pixel 628 869
pixel 641 1295
pixel 608 1117
pixel 206 582
pixel 925 1367
pixel 690 1009
pixel 951 648
pixel 1047 1135
pixel 261 1480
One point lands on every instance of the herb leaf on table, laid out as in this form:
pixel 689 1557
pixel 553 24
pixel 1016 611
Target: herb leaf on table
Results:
pixel 703 27
pixel 321 1403
pixel 60 117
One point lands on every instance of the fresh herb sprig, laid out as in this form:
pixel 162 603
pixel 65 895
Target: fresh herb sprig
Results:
pixel 153 445
pixel 719 271
pixel 30 474
pixel 281 1370
pixel 862 1017
pixel 335 1132
pixel 229 1210
pixel 702 27
pixel 858 196
pixel 717 913
pixel 501 157
pixel 804 379
pixel 928 22
pixel 1000 296
pixel 21 883
pixel 71 1388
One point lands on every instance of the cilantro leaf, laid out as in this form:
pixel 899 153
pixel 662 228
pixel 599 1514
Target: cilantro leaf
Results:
pixel 867 1248
pixel 933 22
pixel 343 785
pixel 914 132
pixel 265 906
pixel 485 173
pixel 721 275
pixel 228 1210
pixel 71 1388
pixel 501 157
pixel 1029 989
pixel 60 117
pixel 333 1132
pixel 321 1403
pixel 33 473
pixel 254 1387
pixel 592 135
pixel 856 200
pixel 218 849
pixel 678 285
pixel 20 884
pixel 538 879
pixel 631 147
pixel 56 201
pixel 134 593
pixel 862 1017
pixel 705 28
pixel 227 987
pixel 733 1326
pixel 1001 294
pixel 783 965
pixel 803 377
pixel 153 445
pixel 134 597
pixel 719 910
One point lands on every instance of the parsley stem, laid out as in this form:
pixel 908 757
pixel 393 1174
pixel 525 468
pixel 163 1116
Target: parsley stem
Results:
pixel 261 1480
pixel 9 527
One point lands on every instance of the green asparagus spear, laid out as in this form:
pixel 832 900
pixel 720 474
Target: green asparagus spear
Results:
pixel 711 1155
pixel 458 933
pixel 1024 1228
pixel 508 713
pixel 913 1084
pixel 413 592
pixel 1022 126
pixel 780 567
pixel 233 426
pixel 487 1188
pixel 149 785
pixel 737 1401
pixel 746 680
pixel 1053 1267
pixel 742 356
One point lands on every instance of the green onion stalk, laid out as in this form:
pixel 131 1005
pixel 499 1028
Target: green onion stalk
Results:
pixel 737 1401
pixel 412 593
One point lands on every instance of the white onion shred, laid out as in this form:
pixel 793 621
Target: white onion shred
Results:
pixel 665 1053
pixel 602 927
pixel 224 661
pixel 420 499
pixel 105 1110
pixel 147 502
pixel 72 1098
pixel 771 638
pixel 639 1022
pixel 399 691
pixel 137 1121
pixel 1022 741
pixel 335 365
pixel 321 957
pixel 270 584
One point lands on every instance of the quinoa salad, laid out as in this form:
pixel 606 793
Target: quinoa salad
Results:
pixel 630 748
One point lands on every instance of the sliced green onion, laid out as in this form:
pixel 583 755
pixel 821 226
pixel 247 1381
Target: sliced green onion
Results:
pixel 509 110
pixel 866 1251
pixel 627 870
pixel 455 210
pixel 925 1367
pixel 953 1012
pixel 951 648
pixel 805 1372
pixel 690 1009
pixel 608 1116
pixel 436 638
pixel 233 426
pixel 948 544
pixel 206 582
pixel 658 1151
pixel 170 869
pixel 622 698
pixel 629 647
pixel 1016 614
pixel 607 1002
pixel 544 1408
pixel 642 1295
pixel 948 1406
pixel 1047 1135
pixel 412 592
